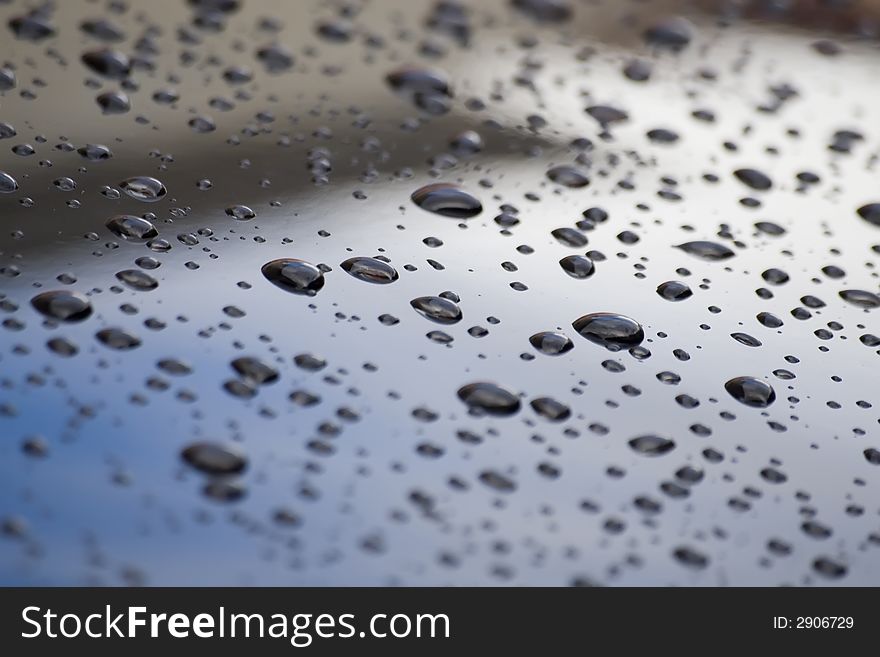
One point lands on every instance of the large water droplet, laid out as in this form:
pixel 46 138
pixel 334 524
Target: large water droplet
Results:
pixel 551 343
pixel 754 179
pixel 8 184
pixel 371 270
pixel 214 459
pixel 568 176
pixel 861 298
pixel 674 291
pixel 651 445
pixel 447 200
pixel 489 399
pixel 63 305
pixel 132 228
pixel 437 309
pixel 577 266
pixel 108 62
pixel 292 275
pixel 240 212
pixel 137 280
pixel 610 330
pixel 255 370
pixel 751 391
pixel 706 250
pixel 870 213
pixel 144 188
pixel 117 338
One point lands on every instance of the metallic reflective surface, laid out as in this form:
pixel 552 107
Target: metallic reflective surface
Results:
pixel 173 414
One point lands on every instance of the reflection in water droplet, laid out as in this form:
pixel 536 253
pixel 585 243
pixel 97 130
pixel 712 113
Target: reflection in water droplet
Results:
pixel 651 445
pixel 550 409
pixel 107 62
pixel 751 391
pixel 577 266
pixel 132 228
pixel 568 176
pixel 143 188
pixel 63 305
pixel 117 338
pixel 137 280
pixel 870 213
pixel 754 179
pixel 240 212
pixel 113 102
pixel 746 339
pixel 861 298
pixel 371 270
pixel 674 291
pixel 8 184
pixel 610 330
pixel 570 237
pixel 292 275
pixel 437 309
pixel 447 200
pixel 214 459
pixel 706 250
pixel 689 557
pixel 255 370
pixel 489 399
pixel 551 343
pixel 497 481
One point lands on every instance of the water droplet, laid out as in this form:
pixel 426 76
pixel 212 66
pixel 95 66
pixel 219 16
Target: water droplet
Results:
pixel 8 184
pixel 861 298
pixel 689 557
pixel 144 188
pixel 117 338
pixel 113 102
pixel 497 481
pixel 63 305
pixel 754 179
pixel 570 237
pixel 872 455
pixel 370 270
pixel 706 250
pixel 651 445
pixel 577 266
pixel 751 391
pixel 489 399
pixel 95 152
pixel 551 343
pixel 132 228
pixel 673 33
pixel 297 276
pixel 870 213
pixel 255 370
pixel 568 176
pixel 214 459
pixel 447 200
pixel 830 568
pixel 610 330
pixel 550 409
pixel 240 212
pixel 746 339
pixel 437 309
pixel 137 280
pixel 275 57
pixel 674 291
pixel 108 62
